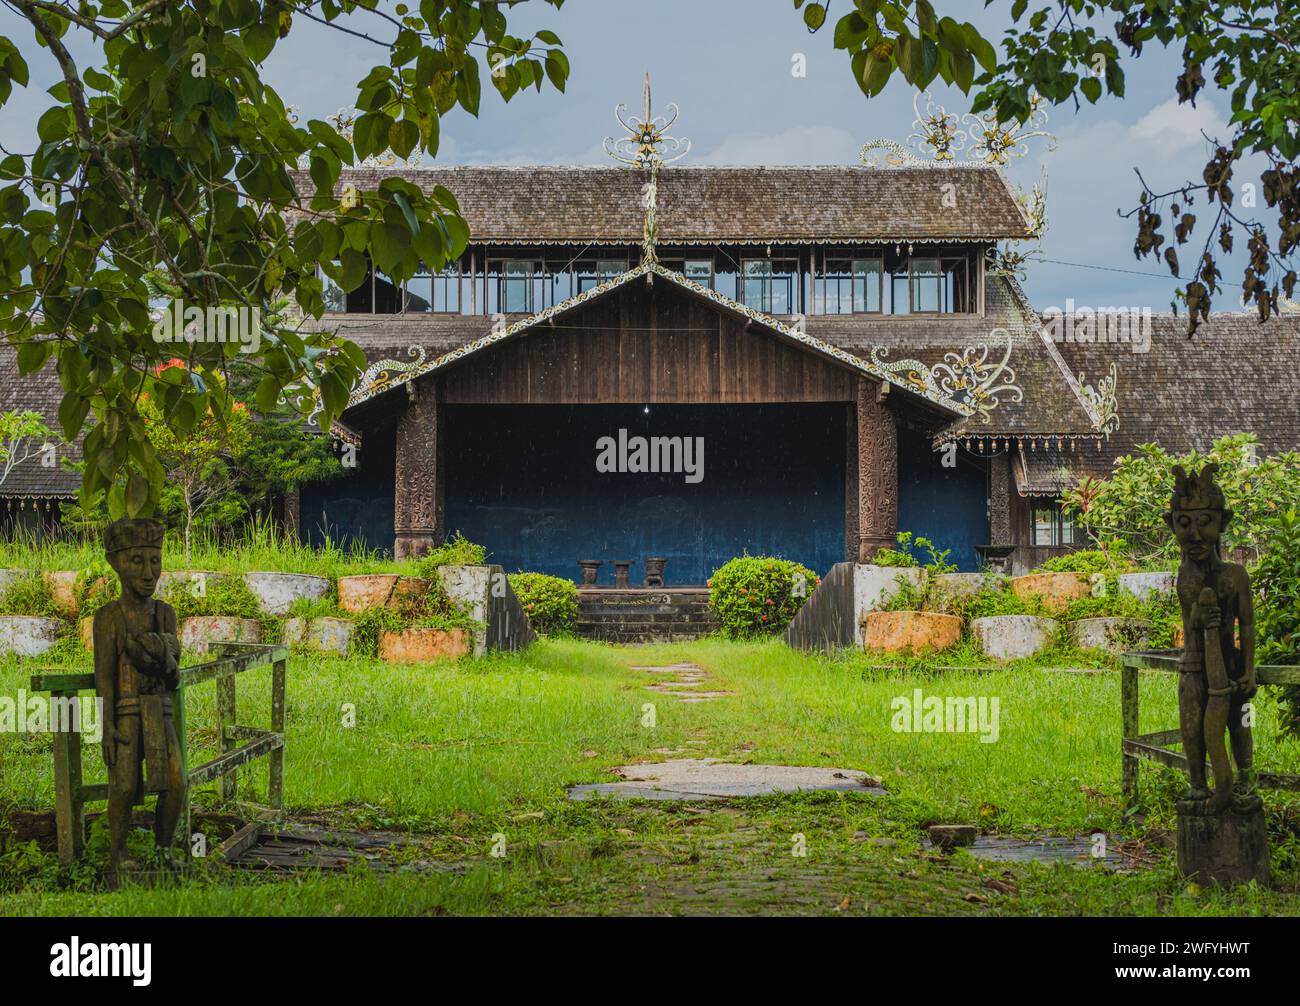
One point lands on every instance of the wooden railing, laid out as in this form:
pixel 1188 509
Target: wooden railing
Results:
pixel 239 745
pixel 1154 747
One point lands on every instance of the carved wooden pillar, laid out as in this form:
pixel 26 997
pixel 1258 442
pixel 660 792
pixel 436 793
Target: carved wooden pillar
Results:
pixel 877 437
pixel 418 490
pixel 292 513
pixel 851 484
pixel 1000 499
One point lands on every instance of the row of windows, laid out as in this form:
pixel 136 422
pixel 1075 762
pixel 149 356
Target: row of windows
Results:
pixel 864 285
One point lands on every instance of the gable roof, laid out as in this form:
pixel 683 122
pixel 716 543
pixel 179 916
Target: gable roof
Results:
pixel 386 374
pixel 539 205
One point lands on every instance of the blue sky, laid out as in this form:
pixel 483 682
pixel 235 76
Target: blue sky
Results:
pixel 727 64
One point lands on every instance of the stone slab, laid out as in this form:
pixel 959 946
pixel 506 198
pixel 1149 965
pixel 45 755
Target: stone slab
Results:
pixel 324 635
pixel 710 779
pixel 27 636
pixel 1143 585
pixel 1011 637
pixel 1114 635
pixel 1224 849
pixel 275 592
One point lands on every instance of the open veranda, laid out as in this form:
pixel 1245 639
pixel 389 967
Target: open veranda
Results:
pixel 469 763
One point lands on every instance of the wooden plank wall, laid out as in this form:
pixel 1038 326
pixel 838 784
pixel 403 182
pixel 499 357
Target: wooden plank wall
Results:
pixel 646 344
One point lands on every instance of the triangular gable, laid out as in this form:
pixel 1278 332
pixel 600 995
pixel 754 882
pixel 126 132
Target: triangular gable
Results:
pixel 386 375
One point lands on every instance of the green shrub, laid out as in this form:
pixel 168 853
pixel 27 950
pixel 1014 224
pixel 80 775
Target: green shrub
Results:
pixel 907 596
pixel 28 594
pixel 759 595
pixel 1277 616
pixel 550 601
pixel 1089 561
pixel 226 595
pixel 456 551
pixel 893 557
pixel 94 587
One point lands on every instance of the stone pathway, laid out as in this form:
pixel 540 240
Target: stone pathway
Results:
pixel 710 779
pixel 1053 849
pixel 684 684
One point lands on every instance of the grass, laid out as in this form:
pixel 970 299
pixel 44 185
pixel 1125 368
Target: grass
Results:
pixel 259 547
pixel 465 752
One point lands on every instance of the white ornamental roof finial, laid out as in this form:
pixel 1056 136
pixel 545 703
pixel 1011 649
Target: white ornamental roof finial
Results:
pixel 647 141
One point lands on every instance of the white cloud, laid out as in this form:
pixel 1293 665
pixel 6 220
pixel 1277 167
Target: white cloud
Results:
pixel 1171 126
pixel 797 145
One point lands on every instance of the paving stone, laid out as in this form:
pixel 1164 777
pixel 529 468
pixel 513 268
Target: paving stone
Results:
pixel 710 779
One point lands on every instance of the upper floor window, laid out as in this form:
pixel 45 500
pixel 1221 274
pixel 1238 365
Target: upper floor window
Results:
pixel 698 270
pixel 434 292
pixel 589 273
pixel 769 285
pixel 931 285
pixel 851 286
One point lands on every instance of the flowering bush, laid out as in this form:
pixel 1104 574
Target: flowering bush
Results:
pixel 551 602
pixel 758 595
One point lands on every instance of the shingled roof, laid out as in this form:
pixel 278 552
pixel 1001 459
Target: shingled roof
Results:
pixel 1233 376
pixel 836 204
pixel 41 393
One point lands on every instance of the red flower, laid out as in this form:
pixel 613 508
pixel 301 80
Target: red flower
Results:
pixel 765 618
pixel 769 600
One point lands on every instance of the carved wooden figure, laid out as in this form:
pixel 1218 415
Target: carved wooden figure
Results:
pixel 137 672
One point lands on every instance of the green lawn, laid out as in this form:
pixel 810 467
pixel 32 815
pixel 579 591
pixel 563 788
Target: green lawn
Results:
pixel 462 753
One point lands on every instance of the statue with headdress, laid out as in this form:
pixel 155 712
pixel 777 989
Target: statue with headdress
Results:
pixel 137 673
pixel 1216 689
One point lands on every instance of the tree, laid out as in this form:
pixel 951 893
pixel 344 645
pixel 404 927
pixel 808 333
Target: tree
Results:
pixel 173 158
pixel 199 466
pixel 1130 504
pixel 1058 53
pixel 19 433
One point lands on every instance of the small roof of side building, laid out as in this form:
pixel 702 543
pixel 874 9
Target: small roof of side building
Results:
pixel 40 392
pixel 540 205
pixel 1234 375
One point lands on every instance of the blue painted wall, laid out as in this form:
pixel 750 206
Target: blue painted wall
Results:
pixel 947 505
pixel 355 509
pixel 522 480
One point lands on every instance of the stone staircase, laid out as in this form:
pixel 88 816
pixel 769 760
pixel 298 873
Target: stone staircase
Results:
pixel 644 614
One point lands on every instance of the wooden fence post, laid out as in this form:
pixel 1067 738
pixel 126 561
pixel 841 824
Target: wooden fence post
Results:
pixel 69 808
pixel 275 783
pixel 1129 731
pixel 226 720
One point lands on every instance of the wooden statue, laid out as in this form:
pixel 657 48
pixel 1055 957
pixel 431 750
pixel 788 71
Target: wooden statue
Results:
pixel 1217 681
pixel 1221 834
pixel 137 673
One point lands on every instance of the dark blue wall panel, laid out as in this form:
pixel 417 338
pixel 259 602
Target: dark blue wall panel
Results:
pixel 947 505
pixel 522 480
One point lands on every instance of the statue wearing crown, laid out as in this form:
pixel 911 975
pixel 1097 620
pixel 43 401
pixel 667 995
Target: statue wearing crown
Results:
pixel 137 672
pixel 1221 833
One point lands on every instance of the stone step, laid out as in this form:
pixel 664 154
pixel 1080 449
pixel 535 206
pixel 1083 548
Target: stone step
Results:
pixel 645 637
pixel 657 614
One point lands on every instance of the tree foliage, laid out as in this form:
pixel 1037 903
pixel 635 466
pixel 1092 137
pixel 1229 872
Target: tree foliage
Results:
pixel 1062 50
pixel 1130 505
pixel 23 438
pixel 172 158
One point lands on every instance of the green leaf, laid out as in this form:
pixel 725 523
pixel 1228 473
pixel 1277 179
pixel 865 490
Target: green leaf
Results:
pixel 137 494
pixel 557 69
pixel 814 16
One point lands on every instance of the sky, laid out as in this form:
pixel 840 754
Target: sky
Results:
pixel 728 65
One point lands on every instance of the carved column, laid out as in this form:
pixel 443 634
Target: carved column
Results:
pixel 417 495
pixel 851 484
pixel 292 513
pixel 877 437
pixel 1000 499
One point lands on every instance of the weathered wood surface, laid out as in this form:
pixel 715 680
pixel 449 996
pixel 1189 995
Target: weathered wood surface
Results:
pixel 1136 747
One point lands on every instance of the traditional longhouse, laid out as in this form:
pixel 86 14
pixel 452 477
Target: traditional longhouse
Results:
pixel 692 363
